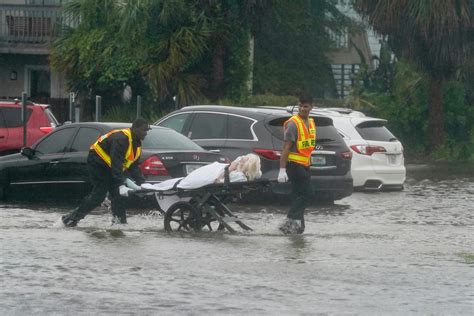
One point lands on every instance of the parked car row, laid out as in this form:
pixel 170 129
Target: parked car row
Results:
pixel 234 131
pixel 196 135
pixel 376 154
pixel 57 163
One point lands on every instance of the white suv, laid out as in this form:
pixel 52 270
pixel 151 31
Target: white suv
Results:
pixel 377 160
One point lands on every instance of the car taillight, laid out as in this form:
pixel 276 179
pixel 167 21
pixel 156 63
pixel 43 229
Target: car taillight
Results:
pixel 154 167
pixel 346 155
pixel 368 150
pixel 269 154
pixel 46 129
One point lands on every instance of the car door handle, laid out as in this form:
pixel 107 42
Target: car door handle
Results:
pixel 54 162
pixel 215 150
pixel 2 136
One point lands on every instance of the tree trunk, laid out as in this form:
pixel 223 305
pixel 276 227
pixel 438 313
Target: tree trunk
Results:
pixel 217 84
pixel 436 113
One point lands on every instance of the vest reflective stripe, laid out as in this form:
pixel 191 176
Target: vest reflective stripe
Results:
pixel 306 140
pixel 298 158
pixel 130 157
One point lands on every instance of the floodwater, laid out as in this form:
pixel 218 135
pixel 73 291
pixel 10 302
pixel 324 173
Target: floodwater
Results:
pixel 408 252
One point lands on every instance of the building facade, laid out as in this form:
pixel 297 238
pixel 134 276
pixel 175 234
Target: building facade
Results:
pixel 351 51
pixel 27 29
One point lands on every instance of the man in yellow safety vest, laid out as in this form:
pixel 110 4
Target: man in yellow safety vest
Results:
pixel 111 160
pixel 295 161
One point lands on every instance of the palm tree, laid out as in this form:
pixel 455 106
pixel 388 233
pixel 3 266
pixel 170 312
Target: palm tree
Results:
pixel 173 36
pixel 115 41
pixel 88 53
pixel 430 33
pixel 226 16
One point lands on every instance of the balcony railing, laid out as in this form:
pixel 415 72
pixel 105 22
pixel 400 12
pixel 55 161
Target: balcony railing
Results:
pixel 36 24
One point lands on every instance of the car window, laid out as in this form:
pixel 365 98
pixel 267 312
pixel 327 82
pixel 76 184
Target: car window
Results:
pixel 239 128
pixel 375 130
pixel 2 121
pixel 325 130
pixel 327 133
pixel 276 126
pixel 163 139
pixel 52 119
pixel 56 141
pixel 12 116
pixel 176 122
pixel 209 126
pixel 85 138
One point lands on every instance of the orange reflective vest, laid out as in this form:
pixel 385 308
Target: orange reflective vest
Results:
pixel 130 156
pixel 306 140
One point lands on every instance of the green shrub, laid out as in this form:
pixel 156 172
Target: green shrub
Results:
pixel 271 100
pixel 128 113
pixel 405 108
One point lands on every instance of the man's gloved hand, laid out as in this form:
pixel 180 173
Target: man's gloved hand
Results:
pixel 123 190
pixel 131 184
pixel 282 176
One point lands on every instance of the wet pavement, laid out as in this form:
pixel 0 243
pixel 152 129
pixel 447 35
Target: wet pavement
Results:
pixel 408 252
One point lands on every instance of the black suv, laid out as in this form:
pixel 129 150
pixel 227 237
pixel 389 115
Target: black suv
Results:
pixel 235 131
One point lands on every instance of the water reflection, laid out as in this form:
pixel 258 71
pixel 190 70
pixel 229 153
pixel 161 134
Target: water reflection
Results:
pixel 440 171
pixel 297 248
pixel 329 210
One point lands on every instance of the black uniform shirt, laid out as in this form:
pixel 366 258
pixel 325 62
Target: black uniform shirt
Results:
pixel 116 146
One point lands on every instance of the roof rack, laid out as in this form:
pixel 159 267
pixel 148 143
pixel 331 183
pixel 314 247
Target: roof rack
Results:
pixel 341 110
pixel 329 111
pixel 272 107
pixel 16 101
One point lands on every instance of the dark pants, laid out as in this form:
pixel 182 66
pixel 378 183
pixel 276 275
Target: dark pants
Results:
pixel 300 177
pixel 102 182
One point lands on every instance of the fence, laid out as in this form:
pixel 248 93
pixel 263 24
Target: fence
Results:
pixel 31 23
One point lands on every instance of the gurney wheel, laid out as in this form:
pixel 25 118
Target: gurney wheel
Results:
pixel 210 223
pixel 182 216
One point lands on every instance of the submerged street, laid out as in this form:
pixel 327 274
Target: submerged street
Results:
pixel 408 252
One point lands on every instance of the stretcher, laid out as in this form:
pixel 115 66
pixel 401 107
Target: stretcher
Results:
pixel 202 208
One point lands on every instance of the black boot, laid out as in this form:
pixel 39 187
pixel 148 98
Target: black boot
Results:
pixel 69 221
pixel 119 220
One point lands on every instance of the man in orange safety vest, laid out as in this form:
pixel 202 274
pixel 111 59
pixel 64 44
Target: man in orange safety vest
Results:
pixel 295 161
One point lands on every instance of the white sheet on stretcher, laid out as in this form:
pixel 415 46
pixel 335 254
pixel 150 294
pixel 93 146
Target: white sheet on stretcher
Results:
pixel 198 178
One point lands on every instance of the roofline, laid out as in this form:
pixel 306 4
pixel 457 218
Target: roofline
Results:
pixel 128 124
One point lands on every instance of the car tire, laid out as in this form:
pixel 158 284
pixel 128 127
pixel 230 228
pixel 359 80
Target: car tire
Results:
pixel 323 198
pixel 325 201
pixel 3 192
pixel 3 187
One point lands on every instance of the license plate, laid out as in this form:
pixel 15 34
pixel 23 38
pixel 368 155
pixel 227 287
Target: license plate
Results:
pixel 318 160
pixel 392 159
pixel 191 168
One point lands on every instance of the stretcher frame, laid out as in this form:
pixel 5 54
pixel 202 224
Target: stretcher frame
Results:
pixel 202 208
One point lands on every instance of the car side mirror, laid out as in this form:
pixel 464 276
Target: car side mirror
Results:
pixel 28 152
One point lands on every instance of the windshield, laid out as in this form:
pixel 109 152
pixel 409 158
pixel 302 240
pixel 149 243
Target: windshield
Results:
pixel 163 138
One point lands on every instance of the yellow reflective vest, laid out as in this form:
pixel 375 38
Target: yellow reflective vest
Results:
pixel 130 156
pixel 306 140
